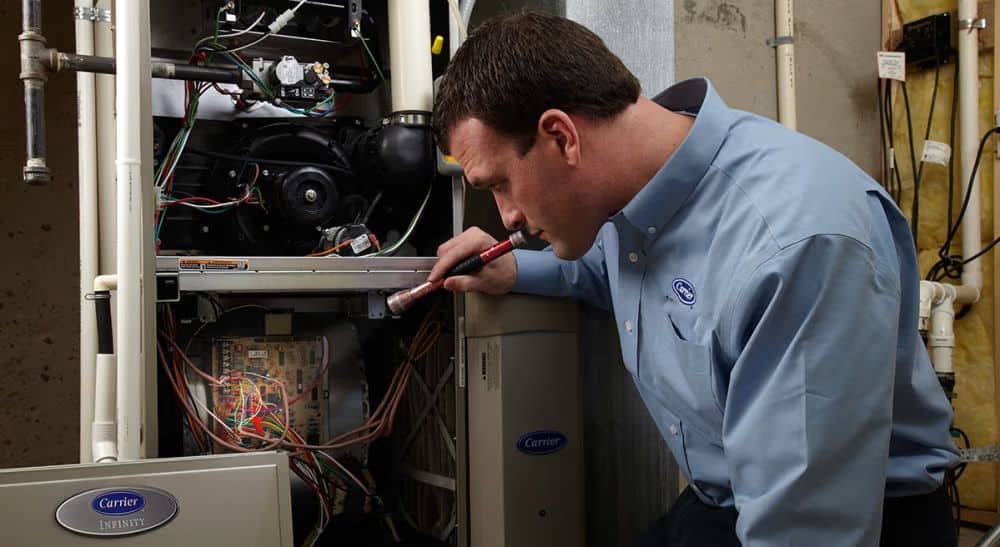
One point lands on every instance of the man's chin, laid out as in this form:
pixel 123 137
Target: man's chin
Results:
pixel 566 252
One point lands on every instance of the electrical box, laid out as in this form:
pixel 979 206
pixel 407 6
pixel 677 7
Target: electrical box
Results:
pixel 927 41
pixel 525 422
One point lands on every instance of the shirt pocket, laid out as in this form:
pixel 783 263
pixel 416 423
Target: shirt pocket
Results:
pixel 687 374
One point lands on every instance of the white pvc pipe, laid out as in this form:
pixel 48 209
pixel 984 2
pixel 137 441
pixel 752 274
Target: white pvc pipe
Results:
pixel 937 316
pixel 968 108
pixel 103 430
pixel 104 46
pixel 941 337
pixel 410 55
pixel 132 54
pixel 86 131
pixel 784 27
pixel 467 7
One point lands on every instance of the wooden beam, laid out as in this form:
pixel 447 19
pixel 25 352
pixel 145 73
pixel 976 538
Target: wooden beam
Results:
pixel 892 26
pixel 978 516
pixel 994 16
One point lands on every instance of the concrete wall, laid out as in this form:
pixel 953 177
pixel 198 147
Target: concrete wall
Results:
pixel 835 45
pixel 39 340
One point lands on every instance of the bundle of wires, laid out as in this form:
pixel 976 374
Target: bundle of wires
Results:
pixel 204 51
pixel 949 265
pixel 257 424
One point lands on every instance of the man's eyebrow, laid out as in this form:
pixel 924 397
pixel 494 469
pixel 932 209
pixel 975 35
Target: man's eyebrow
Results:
pixel 481 184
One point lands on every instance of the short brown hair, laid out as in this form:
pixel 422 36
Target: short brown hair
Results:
pixel 515 67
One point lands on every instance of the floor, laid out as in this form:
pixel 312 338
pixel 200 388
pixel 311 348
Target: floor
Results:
pixel 968 537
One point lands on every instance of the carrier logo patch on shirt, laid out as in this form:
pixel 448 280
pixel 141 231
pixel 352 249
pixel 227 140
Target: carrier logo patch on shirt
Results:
pixel 685 291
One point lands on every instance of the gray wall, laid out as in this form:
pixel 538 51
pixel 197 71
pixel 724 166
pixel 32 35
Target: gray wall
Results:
pixel 39 396
pixel 835 45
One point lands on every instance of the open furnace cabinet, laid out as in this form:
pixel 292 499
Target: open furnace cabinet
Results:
pixel 290 203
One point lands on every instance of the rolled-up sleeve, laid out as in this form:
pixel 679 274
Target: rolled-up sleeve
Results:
pixel 808 411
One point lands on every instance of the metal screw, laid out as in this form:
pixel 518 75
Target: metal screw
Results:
pixel 266 227
pixel 204 229
pixel 232 174
pixel 311 195
pixel 266 173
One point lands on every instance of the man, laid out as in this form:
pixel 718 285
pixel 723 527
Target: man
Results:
pixel 765 289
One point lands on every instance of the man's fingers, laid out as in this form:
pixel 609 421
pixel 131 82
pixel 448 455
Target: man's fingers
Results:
pixel 461 283
pixel 457 249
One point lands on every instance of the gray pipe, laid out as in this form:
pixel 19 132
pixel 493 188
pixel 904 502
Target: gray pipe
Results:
pixel 33 74
pixel 172 71
pixel 991 539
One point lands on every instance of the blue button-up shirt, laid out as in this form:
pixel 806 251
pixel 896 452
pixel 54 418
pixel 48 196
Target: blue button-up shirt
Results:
pixel 765 291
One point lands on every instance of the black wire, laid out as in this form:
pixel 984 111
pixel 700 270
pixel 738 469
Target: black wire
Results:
pixel 913 156
pixel 371 208
pixel 233 157
pixel 956 501
pixel 896 190
pixel 968 194
pixel 951 143
pixel 918 174
pixel 960 469
pixel 886 182
pixel 235 48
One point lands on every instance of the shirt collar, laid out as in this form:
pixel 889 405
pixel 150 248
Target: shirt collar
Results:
pixel 660 199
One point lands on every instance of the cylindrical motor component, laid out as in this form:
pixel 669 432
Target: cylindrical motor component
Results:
pixel 288 71
pixel 307 196
pixel 400 151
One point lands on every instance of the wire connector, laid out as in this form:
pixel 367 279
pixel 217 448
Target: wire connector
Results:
pixel 280 21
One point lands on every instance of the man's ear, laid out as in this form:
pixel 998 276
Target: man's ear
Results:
pixel 557 129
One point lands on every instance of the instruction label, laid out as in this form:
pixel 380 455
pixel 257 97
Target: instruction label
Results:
pixel 936 152
pixel 490 366
pixel 361 244
pixel 892 65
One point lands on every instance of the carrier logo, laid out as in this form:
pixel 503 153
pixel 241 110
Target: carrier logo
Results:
pixel 685 291
pixel 121 502
pixel 117 511
pixel 539 443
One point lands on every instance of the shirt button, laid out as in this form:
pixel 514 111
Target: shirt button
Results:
pixel 633 257
pixel 651 230
pixel 673 430
pixel 628 326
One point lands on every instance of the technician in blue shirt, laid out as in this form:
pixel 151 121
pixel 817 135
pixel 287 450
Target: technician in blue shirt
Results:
pixel 765 288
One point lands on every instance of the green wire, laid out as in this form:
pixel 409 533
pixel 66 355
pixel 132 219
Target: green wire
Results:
pixel 218 23
pixel 364 42
pixel 159 225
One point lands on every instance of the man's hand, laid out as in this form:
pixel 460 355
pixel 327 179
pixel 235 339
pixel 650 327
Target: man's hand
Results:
pixel 496 277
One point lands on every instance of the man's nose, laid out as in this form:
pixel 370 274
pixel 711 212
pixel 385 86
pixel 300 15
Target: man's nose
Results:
pixel 513 218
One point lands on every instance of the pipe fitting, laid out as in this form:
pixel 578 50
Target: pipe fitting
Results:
pixel 34 74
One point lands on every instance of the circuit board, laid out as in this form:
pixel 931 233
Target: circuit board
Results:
pixel 258 361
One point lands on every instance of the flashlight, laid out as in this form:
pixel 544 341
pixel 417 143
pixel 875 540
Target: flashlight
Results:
pixel 401 301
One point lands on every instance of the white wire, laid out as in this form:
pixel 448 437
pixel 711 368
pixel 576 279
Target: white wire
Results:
pixel 299 5
pixel 456 14
pixel 232 34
